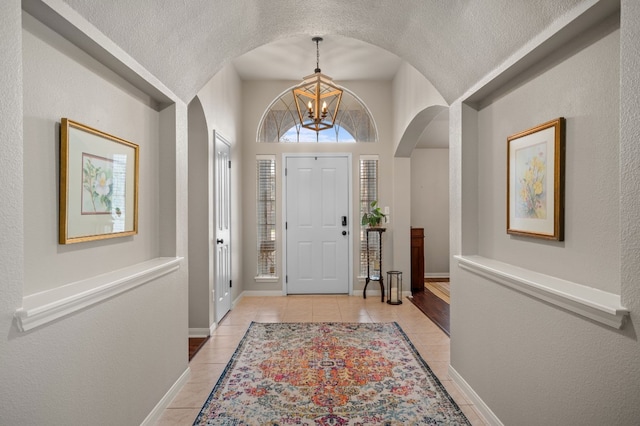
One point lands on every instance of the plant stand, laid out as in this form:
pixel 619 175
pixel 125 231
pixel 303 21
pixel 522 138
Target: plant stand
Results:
pixel 374 260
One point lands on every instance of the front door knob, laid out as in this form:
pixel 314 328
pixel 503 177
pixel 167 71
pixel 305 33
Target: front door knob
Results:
pixel 344 232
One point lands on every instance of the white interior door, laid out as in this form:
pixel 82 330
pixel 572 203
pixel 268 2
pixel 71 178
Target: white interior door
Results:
pixel 317 225
pixel 222 207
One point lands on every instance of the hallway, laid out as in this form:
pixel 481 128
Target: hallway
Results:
pixel 210 361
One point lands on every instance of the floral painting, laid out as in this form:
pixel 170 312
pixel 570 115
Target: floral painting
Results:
pixel 531 170
pixel 535 181
pixel 97 184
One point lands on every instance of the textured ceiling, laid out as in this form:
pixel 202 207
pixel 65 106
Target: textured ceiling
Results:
pixel 341 58
pixel 453 43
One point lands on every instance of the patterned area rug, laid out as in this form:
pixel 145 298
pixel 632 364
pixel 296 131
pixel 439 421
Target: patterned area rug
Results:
pixel 328 374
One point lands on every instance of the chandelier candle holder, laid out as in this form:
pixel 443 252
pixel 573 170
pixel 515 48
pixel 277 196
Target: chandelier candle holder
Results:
pixel 317 98
pixel 394 287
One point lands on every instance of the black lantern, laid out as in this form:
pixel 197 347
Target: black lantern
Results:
pixel 394 287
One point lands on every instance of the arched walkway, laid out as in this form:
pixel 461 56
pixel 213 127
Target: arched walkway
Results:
pixel 415 128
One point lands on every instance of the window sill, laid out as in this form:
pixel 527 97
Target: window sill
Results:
pixel 42 308
pixel 589 302
pixel 267 279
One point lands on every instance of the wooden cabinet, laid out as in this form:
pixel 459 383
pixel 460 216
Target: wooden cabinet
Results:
pixel 417 260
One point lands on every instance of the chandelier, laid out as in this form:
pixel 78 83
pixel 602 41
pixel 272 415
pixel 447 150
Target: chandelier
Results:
pixel 317 98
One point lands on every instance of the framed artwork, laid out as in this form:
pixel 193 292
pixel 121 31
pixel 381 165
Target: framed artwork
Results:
pixel 535 181
pixel 98 184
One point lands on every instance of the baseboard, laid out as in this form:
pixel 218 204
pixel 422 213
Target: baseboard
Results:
pixel 370 293
pixel 356 292
pixel 237 300
pixel 436 275
pixel 199 332
pixel 162 405
pixel 257 293
pixel 483 409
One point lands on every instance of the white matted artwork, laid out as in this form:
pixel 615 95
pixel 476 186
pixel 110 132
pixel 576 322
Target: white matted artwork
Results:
pixel 535 181
pixel 98 184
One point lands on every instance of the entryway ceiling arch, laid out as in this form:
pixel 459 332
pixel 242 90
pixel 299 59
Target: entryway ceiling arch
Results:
pixel 412 133
pixel 452 43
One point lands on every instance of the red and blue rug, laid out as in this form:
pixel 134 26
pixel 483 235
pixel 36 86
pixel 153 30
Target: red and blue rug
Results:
pixel 328 374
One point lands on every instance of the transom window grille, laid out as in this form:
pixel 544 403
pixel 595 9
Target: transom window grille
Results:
pixel 266 215
pixel 280 123
pixel 368 193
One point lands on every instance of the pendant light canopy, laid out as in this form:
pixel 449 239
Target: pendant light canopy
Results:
pixel 317 98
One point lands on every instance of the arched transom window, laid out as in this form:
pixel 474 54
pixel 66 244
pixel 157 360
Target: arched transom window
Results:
pixel 280 123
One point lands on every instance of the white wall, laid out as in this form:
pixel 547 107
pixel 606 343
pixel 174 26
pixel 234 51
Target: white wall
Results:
pixel 12 390
pixel 116 359
pixel 62 81
pixel 415 103
pixel 430 206
pixel 200 189
pixel 220 101
pixel 630 161
pixel 531 362
pixel 401 219
pixel 587 95
pixel 412 95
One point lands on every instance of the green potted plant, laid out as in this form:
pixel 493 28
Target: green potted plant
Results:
pixel 374 217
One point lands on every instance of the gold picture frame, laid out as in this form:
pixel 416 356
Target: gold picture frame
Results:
pixel 535 181
pixel 98 184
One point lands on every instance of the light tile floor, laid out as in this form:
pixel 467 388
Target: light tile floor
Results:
pixel 209 362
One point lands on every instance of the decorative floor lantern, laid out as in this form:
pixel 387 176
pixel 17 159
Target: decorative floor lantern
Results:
pixel 394 287
pixel 317 98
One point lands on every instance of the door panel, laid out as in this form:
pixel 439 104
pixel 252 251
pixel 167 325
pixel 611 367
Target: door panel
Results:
pixel 329 254
pixel 222 285
pixel 317 191
pixel 305 260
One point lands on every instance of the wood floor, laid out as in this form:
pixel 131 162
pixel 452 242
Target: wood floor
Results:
pixel 433 307
pixel 195 343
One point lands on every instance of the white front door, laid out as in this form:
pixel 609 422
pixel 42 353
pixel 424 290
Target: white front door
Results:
pixel 222 208
pixel 317 225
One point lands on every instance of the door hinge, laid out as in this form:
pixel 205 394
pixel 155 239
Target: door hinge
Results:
pixel 230 283
pixel 286 279
pixel 285 171
pixel 286 225
pixel 229 163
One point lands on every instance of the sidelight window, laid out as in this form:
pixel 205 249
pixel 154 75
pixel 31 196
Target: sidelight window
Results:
pixel 368 193
pixel 266 215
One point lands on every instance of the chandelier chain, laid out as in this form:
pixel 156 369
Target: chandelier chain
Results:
pixel 317 40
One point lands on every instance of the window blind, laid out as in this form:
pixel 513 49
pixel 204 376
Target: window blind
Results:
pixel 368 193
pixel 266 217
